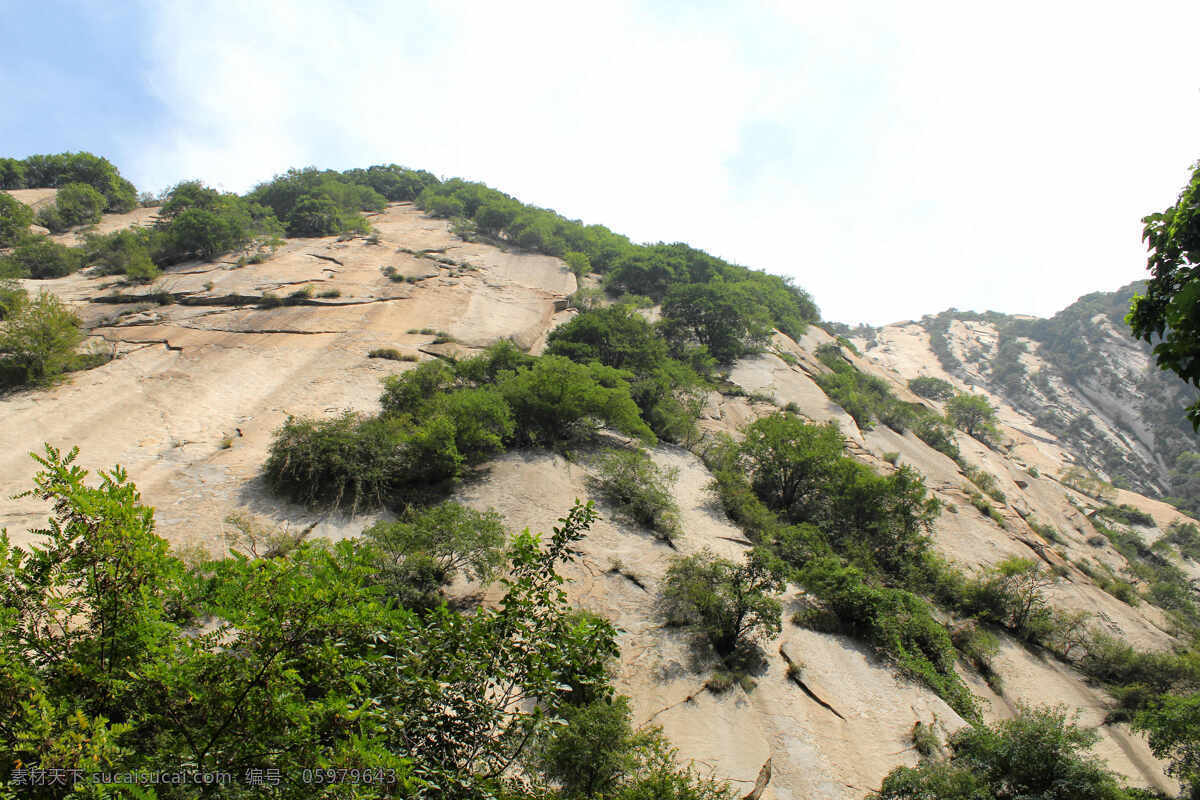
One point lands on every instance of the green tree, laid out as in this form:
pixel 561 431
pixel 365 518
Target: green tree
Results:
pixel 725 318
pixel 1038 755
pixel 932 388
pixel 791 463
pixel 557 400
pixel 39 257
pixel 79 204
pixel 1167 313
pixel 640 489
pixel 1173 728
pixel 427 548
pixel 15 219
pixel 38 340
pixel 732 604
pixel 973 414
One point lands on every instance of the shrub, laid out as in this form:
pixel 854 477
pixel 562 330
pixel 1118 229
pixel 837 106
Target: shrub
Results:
pixel 1012 594
pixel 630 480
pixel 727 319
pixel 37 340
pixel 978 647
pixel 122 253
pixel 347 462
pixel 557 400
pixel 1127 515
pixel 15 219
pixel 78 204
pixel 732 604
pixel 1039 755
pixel 986 481
pixel 425 549
pixel 41 258
pixel 98 173
pixel 483 422
pixel 390 353
pixel 578 263
pixel 931 388
pixel 1185 536
pixel 315 215
pixel 973 415
pixel 896 622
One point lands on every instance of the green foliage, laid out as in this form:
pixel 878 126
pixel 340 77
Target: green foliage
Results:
pixel 1185 536
pixel 799 470
pixel 38 339
pixel 74 204
pixel 732 604
pixel 978 647
pixel 62 169
pixel 986 481
pixel 1041 754
pixel 15 219
pixel 1127 515
pixel 1172 725
pixel 864 397
pixel 578 263
pixel 426 548
pixel 630 480
pixel 1088 483
pixel 664 388
pixel 728 319
pixel 896 622
pixel 324 203
pixel 347 462
pixel 972 414
pixel 41 258
pixel 1166 313
pixel 198 222
pixel 932 388
pixel 123 252
pixel 294 661
pixel 1012 594
pixel 557 400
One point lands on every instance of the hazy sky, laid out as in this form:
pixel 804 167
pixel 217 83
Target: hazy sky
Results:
pixel 896 158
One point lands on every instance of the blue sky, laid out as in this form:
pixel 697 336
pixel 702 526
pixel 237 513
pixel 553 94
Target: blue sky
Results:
pixel 897 159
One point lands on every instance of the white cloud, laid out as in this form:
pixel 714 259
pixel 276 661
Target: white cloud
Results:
pixel 895 161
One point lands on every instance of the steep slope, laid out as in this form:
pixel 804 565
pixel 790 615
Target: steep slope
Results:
pixel 210 365
pixel 1077 379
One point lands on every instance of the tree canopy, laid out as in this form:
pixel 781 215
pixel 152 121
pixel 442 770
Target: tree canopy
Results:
pixel 1169 312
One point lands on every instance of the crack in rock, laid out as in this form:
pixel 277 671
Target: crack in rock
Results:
pixel 793 674
pixel 327 258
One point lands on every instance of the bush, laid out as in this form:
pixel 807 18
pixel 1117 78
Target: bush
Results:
pixel 66 168
pixel 732 604
pixel 931 388
pixel 74 204
pixel 973 415
pixel 347 462
pixel 578 263
pixel 1185 536
pixel 122 253
pixel 15 219
pixel 986 481
pixel 727 319
pixel 1012 594
pixel 1127 515
pixel 630 480
pixel 557 400
pixel 425 550
pixel 41 258
pixel 37 340
pixel 1038 755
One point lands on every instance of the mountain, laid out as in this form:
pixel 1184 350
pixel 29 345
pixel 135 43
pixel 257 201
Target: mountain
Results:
pixel 205 364
pixel 1077 379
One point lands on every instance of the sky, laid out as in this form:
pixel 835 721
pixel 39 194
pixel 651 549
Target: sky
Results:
pixel 896 159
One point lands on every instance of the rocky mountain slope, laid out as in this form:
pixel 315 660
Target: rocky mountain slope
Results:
pixel 1077 379
pixel 212 358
